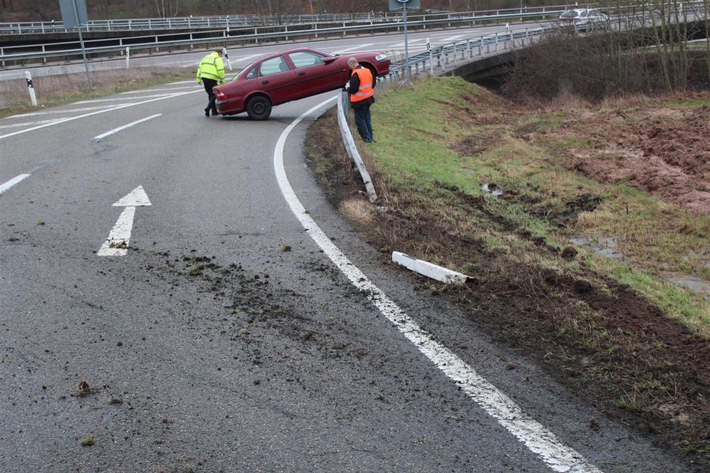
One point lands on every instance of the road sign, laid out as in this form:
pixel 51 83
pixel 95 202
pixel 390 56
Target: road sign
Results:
pixel 400 4
pixel 73 13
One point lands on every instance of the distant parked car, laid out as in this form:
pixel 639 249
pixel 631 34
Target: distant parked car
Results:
pixel 584 19
pixel 290 75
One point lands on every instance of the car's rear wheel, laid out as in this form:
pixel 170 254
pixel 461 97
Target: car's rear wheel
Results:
pixel 259 107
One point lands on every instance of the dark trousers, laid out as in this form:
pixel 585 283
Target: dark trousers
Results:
pixel 363 121
pixel 209 84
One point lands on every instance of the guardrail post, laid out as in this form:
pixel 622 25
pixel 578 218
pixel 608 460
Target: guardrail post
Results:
pixel 31 88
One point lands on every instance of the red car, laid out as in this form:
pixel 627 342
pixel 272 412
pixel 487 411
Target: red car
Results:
pixel 290 75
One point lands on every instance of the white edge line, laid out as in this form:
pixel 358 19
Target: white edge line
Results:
pixel 121 128
pixel 118 107
pixel 12 182
pixel 556 455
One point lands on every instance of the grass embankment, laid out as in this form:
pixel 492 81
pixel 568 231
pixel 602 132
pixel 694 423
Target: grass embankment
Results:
pixel 61 89
pixel 611 328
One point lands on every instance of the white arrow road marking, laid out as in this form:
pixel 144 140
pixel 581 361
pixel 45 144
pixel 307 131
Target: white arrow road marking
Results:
pixel 536 437
pixel 121 128
pixel 117 242
pixel 14 181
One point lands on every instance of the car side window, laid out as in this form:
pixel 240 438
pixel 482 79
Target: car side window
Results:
pixel 273 66
pixel 305 59
pixel 253 73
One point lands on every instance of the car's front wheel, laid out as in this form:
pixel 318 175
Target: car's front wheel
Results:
pixel 259 107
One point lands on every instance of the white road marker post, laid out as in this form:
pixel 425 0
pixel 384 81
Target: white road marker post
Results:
pixel 128 56
pixel 226 56
pixel 117 242
pixel 31 88
pixel 430 270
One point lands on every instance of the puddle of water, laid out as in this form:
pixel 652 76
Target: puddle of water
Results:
pixel 607 247
pixel 603 246
pixel 697 285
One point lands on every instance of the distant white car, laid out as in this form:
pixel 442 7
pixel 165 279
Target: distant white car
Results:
pixel 584 19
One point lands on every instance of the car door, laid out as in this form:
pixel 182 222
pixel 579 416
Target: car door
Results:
pixel 318 72
pixel 278 80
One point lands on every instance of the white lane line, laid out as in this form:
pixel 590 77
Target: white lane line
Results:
pixel 12 182
pixel 120 99
pixel 245 58
pixel 361 47
pixel 121 128
pixel 556 455
pixel 452 38
pixel 57 112
pixel 409 43
pixel 17 125
pixel 118 107
pixel 167 89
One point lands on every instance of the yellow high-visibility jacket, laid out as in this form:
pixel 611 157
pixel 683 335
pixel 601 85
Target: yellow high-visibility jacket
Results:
pixel 211 67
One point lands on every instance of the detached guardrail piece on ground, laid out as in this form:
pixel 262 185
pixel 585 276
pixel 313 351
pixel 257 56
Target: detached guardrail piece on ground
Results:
pixel 430 270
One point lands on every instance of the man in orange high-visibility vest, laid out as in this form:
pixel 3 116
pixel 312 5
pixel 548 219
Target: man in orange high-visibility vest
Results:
pixel 362 96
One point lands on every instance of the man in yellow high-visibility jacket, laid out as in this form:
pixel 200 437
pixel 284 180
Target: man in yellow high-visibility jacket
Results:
pixel 211 73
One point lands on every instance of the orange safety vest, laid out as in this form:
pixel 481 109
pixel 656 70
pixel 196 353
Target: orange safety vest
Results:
pixel 366 87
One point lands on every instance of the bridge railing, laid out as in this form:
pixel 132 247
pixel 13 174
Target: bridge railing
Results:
pixel 70 50
pixel 238 21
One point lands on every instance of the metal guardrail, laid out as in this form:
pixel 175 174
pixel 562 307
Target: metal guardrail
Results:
pixel 236 21
pixel 223 38
pixel 20 55
pixel 443 59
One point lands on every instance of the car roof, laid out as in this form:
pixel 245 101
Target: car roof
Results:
pixel 294 50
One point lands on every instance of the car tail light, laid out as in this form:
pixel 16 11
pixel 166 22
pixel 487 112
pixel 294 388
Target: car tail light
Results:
pixel 220 95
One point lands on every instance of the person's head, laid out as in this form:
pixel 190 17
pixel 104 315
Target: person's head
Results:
pixel 218 51
pixel 352 63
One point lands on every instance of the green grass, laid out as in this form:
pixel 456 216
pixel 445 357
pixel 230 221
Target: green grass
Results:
pixel 418 130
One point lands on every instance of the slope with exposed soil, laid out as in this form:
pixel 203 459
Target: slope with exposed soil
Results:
pixel 601 338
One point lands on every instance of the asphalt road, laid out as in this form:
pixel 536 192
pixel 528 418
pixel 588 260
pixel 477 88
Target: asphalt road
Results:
pixel 242 326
